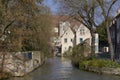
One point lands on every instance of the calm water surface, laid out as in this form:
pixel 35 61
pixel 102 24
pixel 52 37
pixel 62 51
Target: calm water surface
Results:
pixel 61 69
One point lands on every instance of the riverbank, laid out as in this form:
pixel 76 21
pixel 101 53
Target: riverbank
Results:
pixel 111 71
pixel 60 68
pixel 101 66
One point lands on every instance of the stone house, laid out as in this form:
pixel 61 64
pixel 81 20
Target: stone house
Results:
pixel 66 36
pixel 82 33
pixel 73 35
pixel 70 33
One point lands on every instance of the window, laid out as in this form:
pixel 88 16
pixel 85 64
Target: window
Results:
pixel 96 40
pixel 82 31
pixel 96 48
pixel 65 40
pixel 81 40
pixel 71 40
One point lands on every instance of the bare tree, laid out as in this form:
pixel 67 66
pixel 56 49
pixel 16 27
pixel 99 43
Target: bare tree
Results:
pixel 106 13
pixel 23 27
pixel 91 13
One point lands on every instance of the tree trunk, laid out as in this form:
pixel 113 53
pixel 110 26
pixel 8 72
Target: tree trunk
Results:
pixel 92 44
pixel 110 42
pixel 3 61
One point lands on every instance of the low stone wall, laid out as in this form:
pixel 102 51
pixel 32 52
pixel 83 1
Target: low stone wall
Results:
pixel 18 65
pixel 113 71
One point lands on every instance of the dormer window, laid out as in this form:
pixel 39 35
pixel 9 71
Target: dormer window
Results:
pixel 65 40
pixel 82 31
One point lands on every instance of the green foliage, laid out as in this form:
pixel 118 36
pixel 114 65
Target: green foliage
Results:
pixel 101 30
pixel 98 63
pixel 67 54
pixel 81 50
pixel 29 28
pixel 41 35
pixel 74 52
pixel 79 53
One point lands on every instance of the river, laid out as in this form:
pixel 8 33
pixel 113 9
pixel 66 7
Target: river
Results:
pixel 61 69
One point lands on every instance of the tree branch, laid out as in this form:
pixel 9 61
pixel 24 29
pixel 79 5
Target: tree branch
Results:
pixel 111 7
pixel 7 27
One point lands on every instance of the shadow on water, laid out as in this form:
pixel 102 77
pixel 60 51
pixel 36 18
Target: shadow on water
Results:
pixel 61 69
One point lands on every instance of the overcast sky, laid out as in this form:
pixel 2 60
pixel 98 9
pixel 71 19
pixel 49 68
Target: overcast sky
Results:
pixel 52 5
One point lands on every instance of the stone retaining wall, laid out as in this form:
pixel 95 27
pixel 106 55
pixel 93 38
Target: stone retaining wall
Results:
pixel 17 64
pixel 113 71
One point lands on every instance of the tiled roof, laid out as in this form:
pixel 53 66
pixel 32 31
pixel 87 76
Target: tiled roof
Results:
pixel 58 18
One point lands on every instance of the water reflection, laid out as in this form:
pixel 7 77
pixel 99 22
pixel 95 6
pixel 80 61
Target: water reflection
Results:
pixel 61 69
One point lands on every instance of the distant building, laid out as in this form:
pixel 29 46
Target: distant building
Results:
pixel 82 33
pixel 115 34
pixel 66 36
pixel 71 33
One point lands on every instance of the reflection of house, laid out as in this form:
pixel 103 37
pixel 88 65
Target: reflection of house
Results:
pixel 115 34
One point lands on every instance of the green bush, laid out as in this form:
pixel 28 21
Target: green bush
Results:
pixel 80 51
pixel 98 63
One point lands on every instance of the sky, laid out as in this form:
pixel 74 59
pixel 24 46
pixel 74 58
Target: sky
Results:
pixel 52 5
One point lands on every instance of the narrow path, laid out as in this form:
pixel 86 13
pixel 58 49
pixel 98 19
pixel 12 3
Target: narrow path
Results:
pixel 61 69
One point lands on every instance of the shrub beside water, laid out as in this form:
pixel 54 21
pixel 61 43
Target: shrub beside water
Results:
pixel 82 59
pixel 98 63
